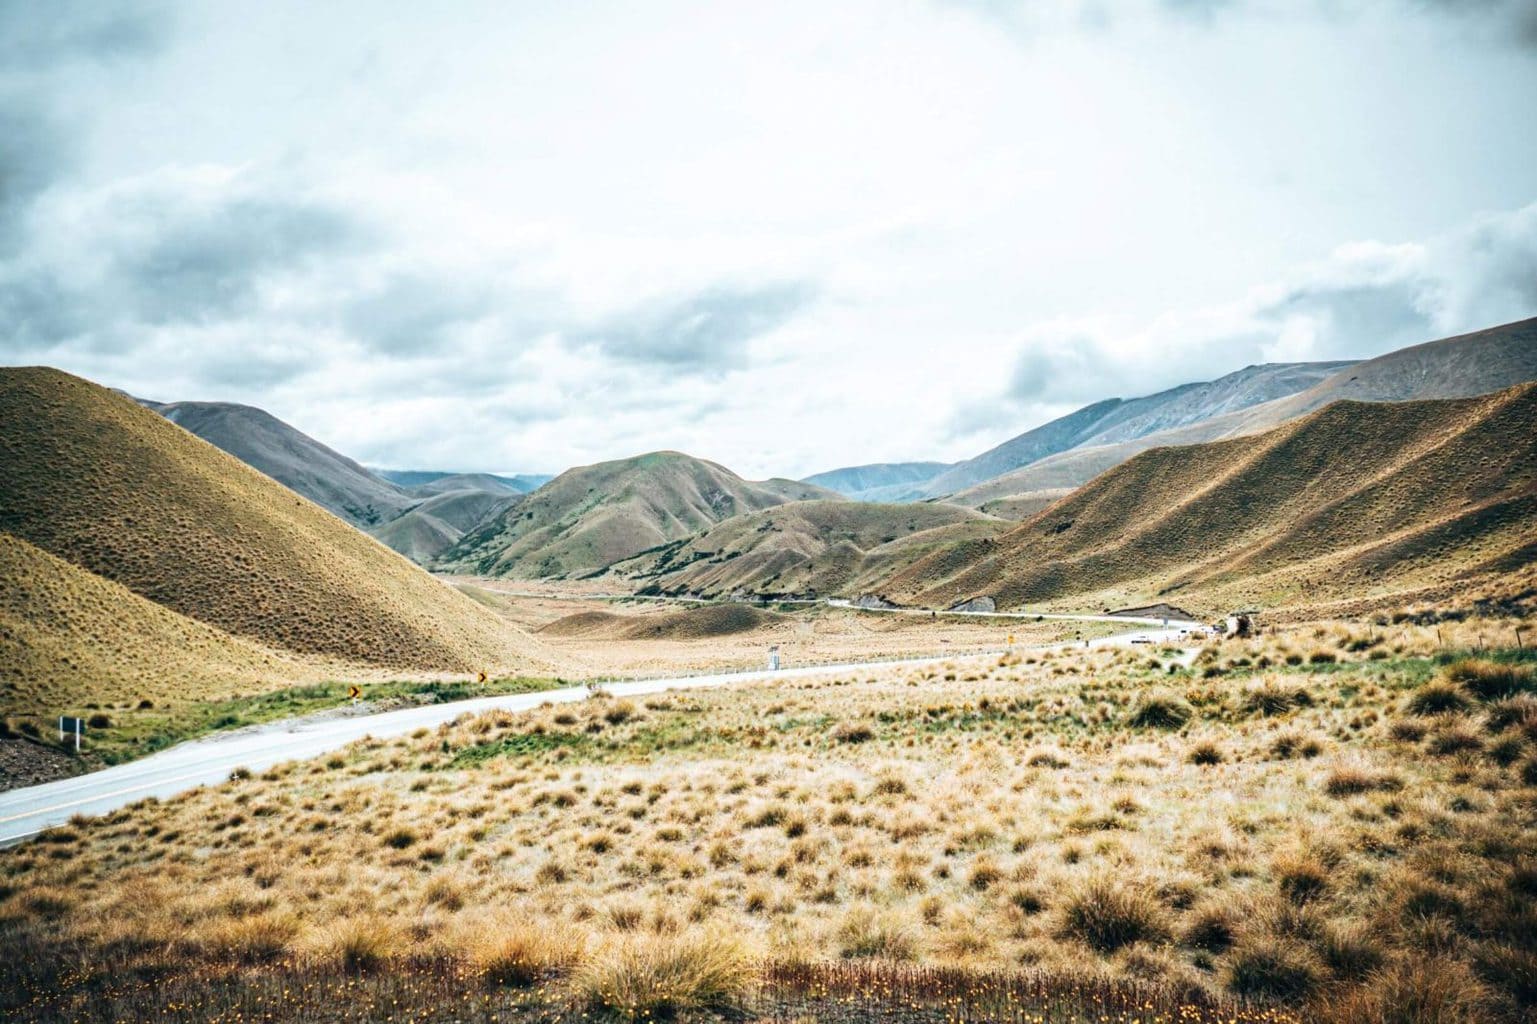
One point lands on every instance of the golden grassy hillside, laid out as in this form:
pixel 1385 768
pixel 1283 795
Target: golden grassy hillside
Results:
pixel 593 516
pixel 1335 825
pixel 808 548
pixel 68 637
pixel 95 479
pixel 1358 499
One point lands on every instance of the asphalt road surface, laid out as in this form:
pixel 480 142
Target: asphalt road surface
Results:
pixel 210 760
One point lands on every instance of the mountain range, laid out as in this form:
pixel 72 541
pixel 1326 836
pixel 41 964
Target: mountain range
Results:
pixel 670 523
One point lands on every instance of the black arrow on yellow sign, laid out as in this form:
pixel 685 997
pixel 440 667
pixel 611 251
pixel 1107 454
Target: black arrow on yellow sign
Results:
pixel 354 691
pixel 480 678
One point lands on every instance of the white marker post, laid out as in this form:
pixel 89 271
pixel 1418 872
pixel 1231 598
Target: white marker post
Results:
pixel 68 725
pixel 773 659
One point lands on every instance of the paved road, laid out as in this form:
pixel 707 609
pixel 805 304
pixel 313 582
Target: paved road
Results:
pixel 208 761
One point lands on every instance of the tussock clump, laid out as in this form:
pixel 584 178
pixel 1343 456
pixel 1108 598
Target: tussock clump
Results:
pixel 1206 753
pixel 1350 780
pixel 520 954
pixel 1438 697
pixel 1520 712
pixel 852 732
pixel 1491 680
pixel 1454 739
pixel 1047 759
pixel 1272 967
pixel 1289 745
pixel 1421 991
pixel 1161 710
pixel 1271 698
pixel 1213 927
pixel 257 938
pixel 1300 877
pixel 651 976
pixel 362 943
pixel 1106 915
pixel 865 932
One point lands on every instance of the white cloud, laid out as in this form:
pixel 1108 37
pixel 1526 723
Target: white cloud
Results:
pixel 787 237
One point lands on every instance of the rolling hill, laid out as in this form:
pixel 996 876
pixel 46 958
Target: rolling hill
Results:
pixel 435 525
pixel 417 513
pixel 1365 500
pixel 1116 419
pixel 292 458
pixel 807 549
pixel 68 636
pixel 109 486
pixel 593 516
pixel 883 481
pixel 1458 367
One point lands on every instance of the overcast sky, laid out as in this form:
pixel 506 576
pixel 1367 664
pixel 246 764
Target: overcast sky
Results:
pixel 785 236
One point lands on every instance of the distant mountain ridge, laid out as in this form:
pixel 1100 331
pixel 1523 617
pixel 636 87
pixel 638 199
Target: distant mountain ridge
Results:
pixel 880 481
pixel 1117 419
pixel 590 517
pixel 424 481
pixel 1457 367
pixel 293 459
pixel 417 513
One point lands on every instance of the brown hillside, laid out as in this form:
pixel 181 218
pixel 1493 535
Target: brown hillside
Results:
pixel 700 623
pixel 1357 499
pixel 110 486
pixel 822 548
pixel 1459 367
pixel 67 637
pixel 593 516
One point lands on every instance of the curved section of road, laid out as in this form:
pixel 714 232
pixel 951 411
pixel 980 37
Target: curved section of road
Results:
pixel 209 761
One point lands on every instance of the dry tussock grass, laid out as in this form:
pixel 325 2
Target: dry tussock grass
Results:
pixel 1026 816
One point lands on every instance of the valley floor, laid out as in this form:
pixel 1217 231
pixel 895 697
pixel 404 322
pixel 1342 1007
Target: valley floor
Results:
pixel 1333 823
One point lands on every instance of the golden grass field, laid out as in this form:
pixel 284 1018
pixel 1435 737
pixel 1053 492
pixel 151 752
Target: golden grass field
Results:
pixel 1333 823
pixel 643 638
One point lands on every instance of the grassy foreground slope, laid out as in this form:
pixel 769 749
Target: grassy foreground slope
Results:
pixel 99 481
pixel 808 548
pixel 1334 825
pixel 592 516
pixel 1356 499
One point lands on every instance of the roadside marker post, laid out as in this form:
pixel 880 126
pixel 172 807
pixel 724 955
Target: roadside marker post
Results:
pixel 69 725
